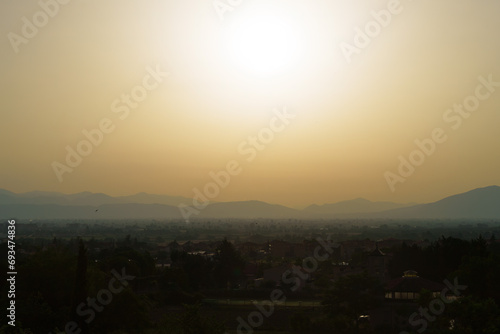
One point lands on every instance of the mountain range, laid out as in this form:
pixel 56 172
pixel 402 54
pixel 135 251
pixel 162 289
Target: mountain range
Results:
pixel 481 203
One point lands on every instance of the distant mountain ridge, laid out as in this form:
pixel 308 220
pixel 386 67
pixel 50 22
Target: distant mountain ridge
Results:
pixel 474 204
pixel 358 205
pixel 105 211
pixel 87 198
pixel 481 203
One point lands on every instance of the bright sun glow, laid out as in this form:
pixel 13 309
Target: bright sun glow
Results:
pixel 264 44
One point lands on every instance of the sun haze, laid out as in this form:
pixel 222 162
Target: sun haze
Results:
pixel 316 101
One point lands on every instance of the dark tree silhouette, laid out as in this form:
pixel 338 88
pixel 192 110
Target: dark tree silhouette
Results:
pixel 80 292
pixel 228 264
pixel 353 296
pixel 190 322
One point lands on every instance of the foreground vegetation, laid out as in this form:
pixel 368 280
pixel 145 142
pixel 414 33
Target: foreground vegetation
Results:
pixel 68 280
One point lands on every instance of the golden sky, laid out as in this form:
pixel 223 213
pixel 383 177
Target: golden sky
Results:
pixel 363 80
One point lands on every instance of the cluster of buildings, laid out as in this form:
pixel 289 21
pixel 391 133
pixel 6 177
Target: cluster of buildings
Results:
pixel 348 258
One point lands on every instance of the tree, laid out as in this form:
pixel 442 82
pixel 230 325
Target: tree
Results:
pixel 80 292
pixel 481 275
pixel 190 322
pixel 45 289
pixel 353 296
pixel 196 269
pixel 127 313
pixel 300 323
pixel 472 315
pixel 467 315
pixel 228 264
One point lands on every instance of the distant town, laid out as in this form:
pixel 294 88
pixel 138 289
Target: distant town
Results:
pixel 245 276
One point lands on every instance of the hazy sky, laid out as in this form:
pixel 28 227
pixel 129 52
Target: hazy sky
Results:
pixel 359 102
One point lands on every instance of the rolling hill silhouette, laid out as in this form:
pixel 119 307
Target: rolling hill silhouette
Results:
pixel 481 203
